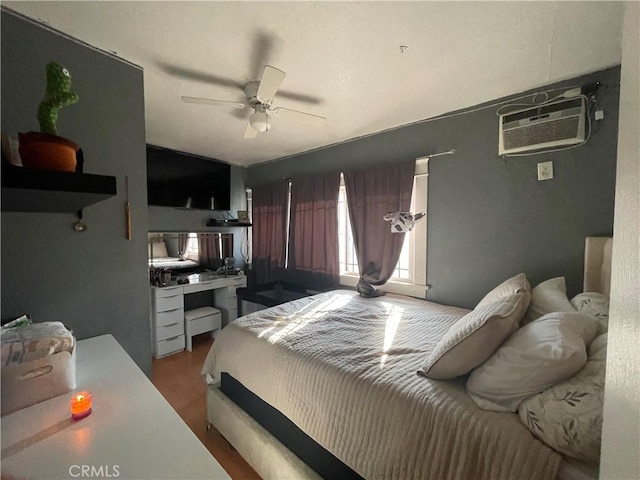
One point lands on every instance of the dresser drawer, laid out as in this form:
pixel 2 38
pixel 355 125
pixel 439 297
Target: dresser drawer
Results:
pixel 169 331
pixel 170 316
pixel 164 304
pixel 170 345
pixel 240 281
pixel 168 291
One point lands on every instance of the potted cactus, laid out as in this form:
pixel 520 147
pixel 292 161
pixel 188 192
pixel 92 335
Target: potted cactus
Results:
pixel 45 149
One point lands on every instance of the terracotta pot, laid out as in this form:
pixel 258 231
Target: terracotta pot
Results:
pixel 48 152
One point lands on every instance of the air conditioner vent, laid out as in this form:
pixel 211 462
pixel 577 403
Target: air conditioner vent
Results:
pixel 551 125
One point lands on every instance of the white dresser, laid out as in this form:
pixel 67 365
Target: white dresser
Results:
pixel 132 432
pixel 167 308
pixel 167 320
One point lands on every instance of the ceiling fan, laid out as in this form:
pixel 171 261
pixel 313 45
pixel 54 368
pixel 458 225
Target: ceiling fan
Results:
pixel 259 96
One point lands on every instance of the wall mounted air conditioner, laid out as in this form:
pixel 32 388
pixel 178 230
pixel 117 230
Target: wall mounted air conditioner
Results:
pixel 550 125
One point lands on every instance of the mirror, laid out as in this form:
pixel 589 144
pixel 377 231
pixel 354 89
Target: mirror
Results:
pixel 181 253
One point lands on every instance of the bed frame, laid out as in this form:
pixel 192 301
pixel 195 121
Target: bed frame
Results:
pixel 270 458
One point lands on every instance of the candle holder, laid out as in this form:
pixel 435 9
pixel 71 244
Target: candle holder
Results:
pixel 81 403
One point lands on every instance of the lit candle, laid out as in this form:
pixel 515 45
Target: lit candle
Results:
pixel 81 405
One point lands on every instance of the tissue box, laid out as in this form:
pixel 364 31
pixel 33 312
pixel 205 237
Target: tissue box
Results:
pixel 38 363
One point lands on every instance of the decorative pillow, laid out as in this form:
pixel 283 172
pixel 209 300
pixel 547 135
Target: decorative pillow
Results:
pixel 159 250
pixel 595 305
pixel 517 284
pixel 473 338
pixel 536 357
pixel 568 416
pixel 549 296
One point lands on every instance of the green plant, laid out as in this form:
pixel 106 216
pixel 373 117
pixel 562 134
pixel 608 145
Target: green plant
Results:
pixel 58 95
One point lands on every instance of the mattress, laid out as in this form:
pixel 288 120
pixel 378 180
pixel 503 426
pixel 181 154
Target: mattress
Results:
pixel 172 263
pixel 343 369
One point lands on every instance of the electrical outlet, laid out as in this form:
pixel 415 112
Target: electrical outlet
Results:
pixel 599 115
pixel 545 171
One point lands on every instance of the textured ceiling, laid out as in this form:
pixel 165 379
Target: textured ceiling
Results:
pixel 342 59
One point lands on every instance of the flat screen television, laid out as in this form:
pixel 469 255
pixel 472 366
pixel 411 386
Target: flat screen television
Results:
pixel 181 180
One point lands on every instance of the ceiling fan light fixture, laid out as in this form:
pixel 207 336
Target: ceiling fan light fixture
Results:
pixel 259 121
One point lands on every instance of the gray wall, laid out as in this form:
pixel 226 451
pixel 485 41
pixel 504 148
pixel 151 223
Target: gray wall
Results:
pixel 95 282
pixel 490 218
pixel 168 219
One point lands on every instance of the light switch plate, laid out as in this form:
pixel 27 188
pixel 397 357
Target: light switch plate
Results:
pixel 545 171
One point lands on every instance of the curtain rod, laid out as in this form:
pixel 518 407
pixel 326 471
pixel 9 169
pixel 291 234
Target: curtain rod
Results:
pixel 427 157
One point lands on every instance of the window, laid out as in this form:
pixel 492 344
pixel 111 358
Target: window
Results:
pixel 404 271
pixel 192 247
pixel 410 275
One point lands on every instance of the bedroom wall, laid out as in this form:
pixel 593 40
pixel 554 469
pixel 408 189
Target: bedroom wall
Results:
pixel 168 219
pixel 621 428
pixel 95 282
pixel 490 218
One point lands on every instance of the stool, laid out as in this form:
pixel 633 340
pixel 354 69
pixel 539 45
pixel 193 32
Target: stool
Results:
pixel 200 320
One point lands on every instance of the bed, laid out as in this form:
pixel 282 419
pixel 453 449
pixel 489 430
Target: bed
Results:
pixel 173 263
pixel 326 387
pixel 159 257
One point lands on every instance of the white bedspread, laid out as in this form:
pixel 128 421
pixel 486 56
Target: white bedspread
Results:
pixel 174 263
pixel 343 369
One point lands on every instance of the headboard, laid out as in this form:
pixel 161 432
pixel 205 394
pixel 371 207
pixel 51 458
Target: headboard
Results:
pixel 597 264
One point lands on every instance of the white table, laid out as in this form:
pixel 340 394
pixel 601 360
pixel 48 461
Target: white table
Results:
pixel 132 433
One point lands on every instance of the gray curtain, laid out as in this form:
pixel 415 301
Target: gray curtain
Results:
pixel 372 193
pixel 209 253
pixel 313 241
pixel 183 241
pixel 269 231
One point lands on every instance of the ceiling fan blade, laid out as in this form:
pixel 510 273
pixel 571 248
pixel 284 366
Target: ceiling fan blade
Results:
pixel 210 101
pixel 249 132
pixel 300 117
pixel 269 83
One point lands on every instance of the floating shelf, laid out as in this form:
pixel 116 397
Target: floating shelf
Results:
pixel 35 190
pixel 227 223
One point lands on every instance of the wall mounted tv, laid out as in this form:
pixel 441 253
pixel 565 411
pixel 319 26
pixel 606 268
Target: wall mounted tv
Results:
pixel 181 180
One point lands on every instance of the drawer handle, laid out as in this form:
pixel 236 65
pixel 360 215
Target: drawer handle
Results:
pixel 169 299
pixel 172 310
pixel 169 325
pixel 172 294
pixel 169 339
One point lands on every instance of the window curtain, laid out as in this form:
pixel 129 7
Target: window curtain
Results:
pixel 209 253
pixel 183 242
pixel 269 231
pixel 313 241
pixel 372 193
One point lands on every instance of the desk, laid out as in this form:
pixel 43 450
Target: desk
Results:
pixel 132 433
pixel 167 308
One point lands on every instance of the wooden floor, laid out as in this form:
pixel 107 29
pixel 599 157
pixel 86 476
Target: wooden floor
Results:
pixel 177 377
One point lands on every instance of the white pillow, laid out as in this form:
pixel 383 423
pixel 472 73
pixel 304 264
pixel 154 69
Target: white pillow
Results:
pixel 595 305
pixel 568 416
pixel 473 338
pixel 536 357
pixel 549 296
pixel 159 250
pixel 516 284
